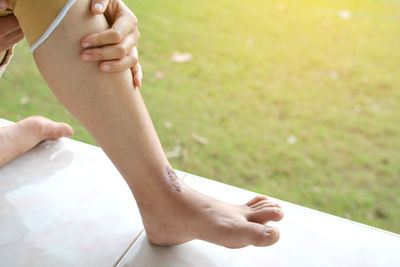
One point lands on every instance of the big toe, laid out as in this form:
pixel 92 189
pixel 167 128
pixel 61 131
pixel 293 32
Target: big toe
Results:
pixel 261 235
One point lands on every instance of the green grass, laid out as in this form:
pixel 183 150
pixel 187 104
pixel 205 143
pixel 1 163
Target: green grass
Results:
pixel 263 71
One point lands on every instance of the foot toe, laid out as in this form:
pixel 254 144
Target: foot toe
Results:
pixel 66 130
pixel 264 203
pixel 55 130
pixel 265 214
pixel 272 236
pixel 256 199
pixel 46 129
pixel 261 235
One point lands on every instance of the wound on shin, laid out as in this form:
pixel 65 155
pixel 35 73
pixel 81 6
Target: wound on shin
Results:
pixel 176 182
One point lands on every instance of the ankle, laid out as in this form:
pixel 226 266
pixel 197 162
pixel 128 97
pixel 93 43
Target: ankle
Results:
pixel 153 178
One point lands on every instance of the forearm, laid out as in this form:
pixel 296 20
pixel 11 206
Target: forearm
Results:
pixel 105 103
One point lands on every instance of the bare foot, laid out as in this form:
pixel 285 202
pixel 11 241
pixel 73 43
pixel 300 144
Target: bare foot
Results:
pixel 180 214
pixel 45 129
pixel 18 138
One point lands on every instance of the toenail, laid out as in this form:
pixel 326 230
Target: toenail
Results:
pixel 268 230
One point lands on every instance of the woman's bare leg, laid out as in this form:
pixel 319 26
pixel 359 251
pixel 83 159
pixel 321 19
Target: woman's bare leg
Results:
pixel 20 137
pixel 114 113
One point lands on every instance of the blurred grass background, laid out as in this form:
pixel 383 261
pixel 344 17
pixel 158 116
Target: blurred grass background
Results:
pixel 292 99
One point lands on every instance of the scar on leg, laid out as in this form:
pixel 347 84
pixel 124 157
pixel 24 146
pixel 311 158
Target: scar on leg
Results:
pixel 175 180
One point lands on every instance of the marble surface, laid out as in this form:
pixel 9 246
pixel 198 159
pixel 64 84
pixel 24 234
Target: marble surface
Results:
pixel 308 238
pixel 64 204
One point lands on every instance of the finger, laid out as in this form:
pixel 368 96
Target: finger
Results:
pixel 9 23
pixel 137 70
pixel 125 22
pixel 107 37
pixel 137 75
pixel 119 65
pixel 9 44
pixel 3 5
pixel 115 35
pixel 15 34
pixel 110 52
pixel 11 40
pixel 17 39
pixel 99 6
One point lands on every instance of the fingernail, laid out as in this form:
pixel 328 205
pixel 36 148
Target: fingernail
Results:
pixel 277 210
pixel 3 5
pixel 87 57
pixel 98 7
pixel 86 44
pixel 106 67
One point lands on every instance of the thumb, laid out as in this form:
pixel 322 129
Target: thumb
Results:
pixel 99 6
pixel 3 5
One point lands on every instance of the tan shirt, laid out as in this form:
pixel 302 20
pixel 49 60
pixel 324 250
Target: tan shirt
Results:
pixel 5 59
pixel 38 18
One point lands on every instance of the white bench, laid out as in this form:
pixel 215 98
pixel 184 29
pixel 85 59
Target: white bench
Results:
pixel 64 204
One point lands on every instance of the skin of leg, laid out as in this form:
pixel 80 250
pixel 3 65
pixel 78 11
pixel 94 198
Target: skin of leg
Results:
pixel 114 113
pixel 20 137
